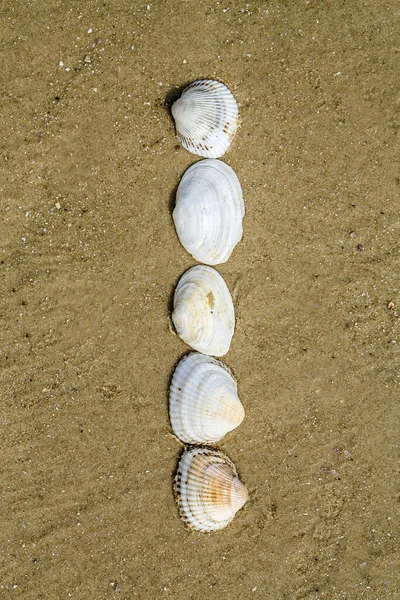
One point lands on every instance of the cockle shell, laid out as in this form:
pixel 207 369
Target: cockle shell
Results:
pixel 203 314
pixel 208 490
pixel 203 400
pixel 209 211
pixel 206 118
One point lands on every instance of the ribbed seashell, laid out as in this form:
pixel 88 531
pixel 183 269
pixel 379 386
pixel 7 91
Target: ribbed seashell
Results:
pixel 209 211
pixel 203 400
pixel 203 314
pixel 206 118
pixel 208 490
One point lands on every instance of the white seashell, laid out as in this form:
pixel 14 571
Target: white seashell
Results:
pixel 206 118
pixel 203 314
pixel 203 400
pixel 208 490
pixel 209 211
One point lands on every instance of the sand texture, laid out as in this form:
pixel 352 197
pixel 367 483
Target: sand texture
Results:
pixel 89 260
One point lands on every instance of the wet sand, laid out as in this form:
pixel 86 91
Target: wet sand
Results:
pixel 89 261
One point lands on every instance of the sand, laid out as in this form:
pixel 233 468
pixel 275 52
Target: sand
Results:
pixel 89 261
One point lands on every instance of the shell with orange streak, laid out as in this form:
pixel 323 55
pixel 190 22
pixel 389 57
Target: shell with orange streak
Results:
pixel 208 490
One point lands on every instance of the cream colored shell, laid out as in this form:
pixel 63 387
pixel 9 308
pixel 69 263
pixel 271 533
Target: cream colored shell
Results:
pixel 208 490
pixel 206 118
pixel 203 400
pixel 203 313
pixel 209 211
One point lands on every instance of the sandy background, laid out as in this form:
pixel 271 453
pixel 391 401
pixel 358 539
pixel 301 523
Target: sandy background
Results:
pixel 89 261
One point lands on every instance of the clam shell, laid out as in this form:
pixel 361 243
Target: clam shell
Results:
pixel 203 314
pixel 203 400
pixel 208 490
pixel 206 118
pixel 209 211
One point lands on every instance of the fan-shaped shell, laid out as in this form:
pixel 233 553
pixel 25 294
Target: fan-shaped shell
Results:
pixel 208 490
pixel 209 211
pixel 203 400
pixel 203 314
pixel 206 118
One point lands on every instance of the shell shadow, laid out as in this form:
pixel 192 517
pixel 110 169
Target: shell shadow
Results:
pixel 174 93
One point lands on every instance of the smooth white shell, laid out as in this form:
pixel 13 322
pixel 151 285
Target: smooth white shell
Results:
pixel 208 490
pixel 209 211
pixel 203 400
pixel 203 314
pixel 206 118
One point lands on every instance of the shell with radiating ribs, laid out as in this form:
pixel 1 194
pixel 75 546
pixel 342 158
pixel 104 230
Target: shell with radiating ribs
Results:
pixel 208 490
pixel 206 118
pixel 203 400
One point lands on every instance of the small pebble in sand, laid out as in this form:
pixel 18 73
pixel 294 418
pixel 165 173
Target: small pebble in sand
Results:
pixel 353 234
pixel 390 305
pixel 116 587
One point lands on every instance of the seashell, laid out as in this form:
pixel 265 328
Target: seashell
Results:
pixel 208 490
pixel 206 118
pixel 209 211
pixel 203 400
pixel 203 314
